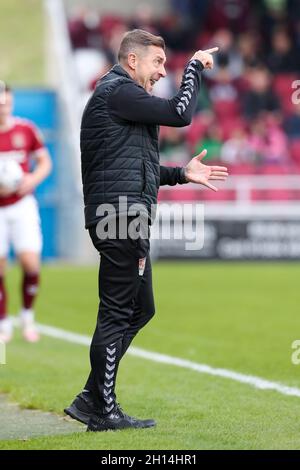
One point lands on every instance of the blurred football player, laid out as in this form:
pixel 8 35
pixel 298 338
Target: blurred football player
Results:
pixel 19 217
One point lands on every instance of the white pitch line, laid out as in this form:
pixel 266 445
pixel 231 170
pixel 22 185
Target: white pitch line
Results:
pixel 256 382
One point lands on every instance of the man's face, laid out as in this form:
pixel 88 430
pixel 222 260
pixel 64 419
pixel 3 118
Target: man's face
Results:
pixel 6 105
pixel 149 66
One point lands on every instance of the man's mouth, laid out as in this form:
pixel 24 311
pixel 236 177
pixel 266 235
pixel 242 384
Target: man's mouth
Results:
pixel 152 81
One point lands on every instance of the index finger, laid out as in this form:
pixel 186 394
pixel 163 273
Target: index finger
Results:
pixel 213 49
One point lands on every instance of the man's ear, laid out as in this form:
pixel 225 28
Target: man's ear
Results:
pixel 132 60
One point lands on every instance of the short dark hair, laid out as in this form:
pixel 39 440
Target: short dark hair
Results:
pixel 138 38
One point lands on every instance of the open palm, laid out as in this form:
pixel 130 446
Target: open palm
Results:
pixel 197 172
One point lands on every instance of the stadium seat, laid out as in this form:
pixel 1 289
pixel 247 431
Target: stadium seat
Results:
pixel 228 126
pixel 274 169
pixel 221 195
pixel 164 195
pixel 178 60
pixel 195 131
pixel 272 195
pixel 226 109
pixel 184 195
pixel 282 85
pixel 295 151
pixel 242 169
pixel 296 168
pixel 109 22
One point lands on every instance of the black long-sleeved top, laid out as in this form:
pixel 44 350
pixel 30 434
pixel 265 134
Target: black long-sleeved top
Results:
pixel 132 103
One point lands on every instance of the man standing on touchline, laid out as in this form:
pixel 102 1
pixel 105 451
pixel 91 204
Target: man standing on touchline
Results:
pixel 120 158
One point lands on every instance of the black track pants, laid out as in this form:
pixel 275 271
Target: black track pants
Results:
pixel 126 305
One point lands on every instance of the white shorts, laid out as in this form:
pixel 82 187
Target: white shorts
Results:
pixel 20 227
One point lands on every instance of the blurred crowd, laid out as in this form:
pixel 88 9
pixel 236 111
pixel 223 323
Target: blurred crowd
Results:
pixel 245 116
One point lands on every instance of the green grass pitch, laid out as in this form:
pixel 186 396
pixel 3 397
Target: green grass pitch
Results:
pixel 242 317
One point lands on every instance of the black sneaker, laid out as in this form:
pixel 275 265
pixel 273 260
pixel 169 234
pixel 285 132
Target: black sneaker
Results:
pixel 117 420
pixel 82 408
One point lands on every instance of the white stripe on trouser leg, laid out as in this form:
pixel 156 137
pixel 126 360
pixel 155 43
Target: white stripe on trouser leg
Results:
pixel 108 383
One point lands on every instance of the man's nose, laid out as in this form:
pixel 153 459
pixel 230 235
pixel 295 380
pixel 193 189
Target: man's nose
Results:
pixel 162 71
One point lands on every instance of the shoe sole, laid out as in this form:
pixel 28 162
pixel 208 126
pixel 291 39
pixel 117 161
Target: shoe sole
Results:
pixel 78 415
pixel 104 429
